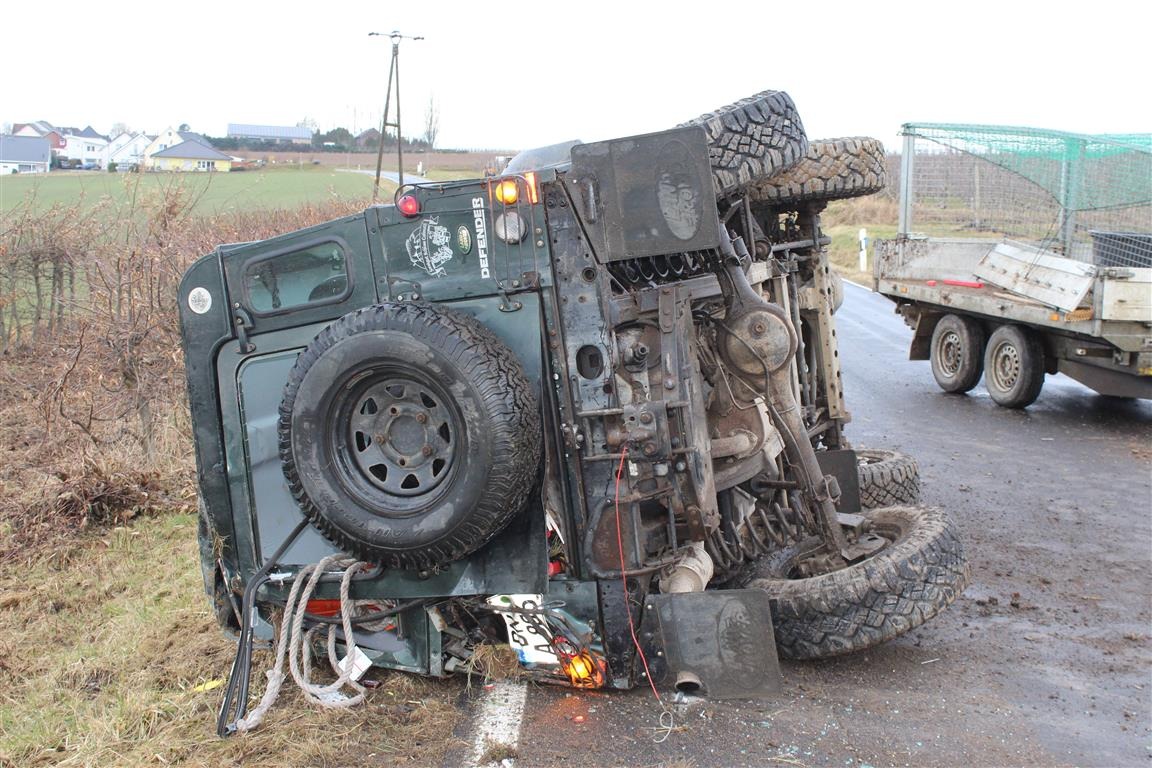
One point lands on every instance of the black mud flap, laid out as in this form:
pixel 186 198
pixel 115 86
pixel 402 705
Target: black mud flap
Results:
pixel 719 644
pixel 844 466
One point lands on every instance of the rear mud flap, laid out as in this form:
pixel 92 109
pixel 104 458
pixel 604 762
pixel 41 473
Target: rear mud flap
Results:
pixel 719 643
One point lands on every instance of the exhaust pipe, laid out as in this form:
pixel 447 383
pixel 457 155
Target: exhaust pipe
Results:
pixel 691 574
pixel 688 682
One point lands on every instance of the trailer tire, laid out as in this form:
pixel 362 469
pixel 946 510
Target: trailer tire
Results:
pixel 887 478
pixel 920 572
pixel 832 169
pixel 409 435
pixel 1014 366
pixel 957 353
pixel 752 139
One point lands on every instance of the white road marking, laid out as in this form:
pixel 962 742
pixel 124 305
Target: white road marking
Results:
pixel 499 719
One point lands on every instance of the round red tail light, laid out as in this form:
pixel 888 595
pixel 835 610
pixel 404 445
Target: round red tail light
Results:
pixel 409 206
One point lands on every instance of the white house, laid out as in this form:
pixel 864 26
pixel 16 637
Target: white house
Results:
pixel 24 154
pixel 168 139
pixel 127 149
pixel 87 146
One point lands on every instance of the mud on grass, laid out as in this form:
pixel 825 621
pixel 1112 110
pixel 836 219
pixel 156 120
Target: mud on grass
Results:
pixel 103 648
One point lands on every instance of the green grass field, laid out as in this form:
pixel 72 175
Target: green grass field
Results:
pixel 270 188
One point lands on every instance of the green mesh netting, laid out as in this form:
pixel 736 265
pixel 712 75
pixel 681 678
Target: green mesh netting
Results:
pixel 1081 172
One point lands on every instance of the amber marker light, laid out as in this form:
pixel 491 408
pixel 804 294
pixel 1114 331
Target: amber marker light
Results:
pixel 508 191
pixel 409 206
pixel 582 671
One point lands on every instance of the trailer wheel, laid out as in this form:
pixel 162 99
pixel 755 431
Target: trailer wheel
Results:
pixel 920 571
pixel 832 169
pixel 1014 366
pixel 752 139
pixel 887 478
pixel 957 353
pixel 409 435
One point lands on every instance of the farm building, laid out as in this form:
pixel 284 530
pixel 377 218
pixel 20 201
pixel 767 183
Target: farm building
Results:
pixel 280 133
pixel 24 154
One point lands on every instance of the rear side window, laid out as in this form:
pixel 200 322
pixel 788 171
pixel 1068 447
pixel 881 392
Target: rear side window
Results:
pixel 316 274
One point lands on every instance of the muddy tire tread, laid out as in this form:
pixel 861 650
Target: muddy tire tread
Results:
pixel 832 169
pixel 752 139
pixel 872 602
pixel 893 479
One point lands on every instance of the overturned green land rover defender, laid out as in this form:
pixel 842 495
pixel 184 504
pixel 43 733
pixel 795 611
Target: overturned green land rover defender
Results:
pixel 589 408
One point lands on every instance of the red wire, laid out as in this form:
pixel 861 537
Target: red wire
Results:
pixel 624 580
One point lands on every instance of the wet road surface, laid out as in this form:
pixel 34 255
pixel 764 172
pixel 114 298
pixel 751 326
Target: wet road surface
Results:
pixel 1045 660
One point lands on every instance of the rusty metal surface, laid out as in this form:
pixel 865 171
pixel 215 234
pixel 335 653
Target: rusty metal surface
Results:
pixel 646 195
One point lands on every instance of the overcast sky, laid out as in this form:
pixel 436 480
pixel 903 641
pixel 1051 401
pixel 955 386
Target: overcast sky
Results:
pixel 517 74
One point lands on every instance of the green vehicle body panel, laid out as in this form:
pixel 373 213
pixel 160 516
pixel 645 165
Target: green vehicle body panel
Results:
pixel 239 354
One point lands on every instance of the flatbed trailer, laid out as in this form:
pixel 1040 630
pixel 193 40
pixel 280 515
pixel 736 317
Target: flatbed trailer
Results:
pixel 1014 312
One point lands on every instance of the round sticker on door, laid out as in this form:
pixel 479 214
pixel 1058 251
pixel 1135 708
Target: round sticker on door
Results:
pixel 199 300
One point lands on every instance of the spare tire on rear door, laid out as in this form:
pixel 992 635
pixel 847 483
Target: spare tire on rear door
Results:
pixel 409 435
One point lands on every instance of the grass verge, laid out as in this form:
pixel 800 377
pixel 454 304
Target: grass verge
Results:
pixel 212 193
pixel 109 656
pixel 843 220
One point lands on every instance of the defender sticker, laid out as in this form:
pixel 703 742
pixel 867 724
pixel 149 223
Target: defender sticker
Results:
pixel 463 240
pixel 481 235
pixel 428 247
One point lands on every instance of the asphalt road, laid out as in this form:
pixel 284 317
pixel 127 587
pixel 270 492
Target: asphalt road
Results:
pixel 1045 660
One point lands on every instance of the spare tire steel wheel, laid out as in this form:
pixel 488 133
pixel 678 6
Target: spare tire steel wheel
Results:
pixel 409 435
pixel 919 572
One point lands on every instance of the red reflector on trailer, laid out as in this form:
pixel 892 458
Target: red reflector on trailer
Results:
pixel 409 206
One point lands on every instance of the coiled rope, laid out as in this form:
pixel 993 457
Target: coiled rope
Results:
pixel 296 644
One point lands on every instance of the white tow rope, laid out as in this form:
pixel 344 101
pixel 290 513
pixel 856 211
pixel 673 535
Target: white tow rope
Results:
pixel 296 644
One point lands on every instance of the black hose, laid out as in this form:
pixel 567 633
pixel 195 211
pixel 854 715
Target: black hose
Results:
pixel 236 694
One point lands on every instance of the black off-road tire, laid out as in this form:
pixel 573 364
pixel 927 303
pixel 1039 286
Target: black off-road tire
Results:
pixel 409 435
pixel 752 139
pixel 887 478
pixel 900 587
pixel 1014 366
pixel 957 353
pixel 832 169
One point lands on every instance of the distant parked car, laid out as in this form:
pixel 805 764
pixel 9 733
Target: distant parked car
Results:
pixel 91 165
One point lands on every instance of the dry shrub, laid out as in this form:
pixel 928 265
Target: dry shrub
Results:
pixel 93 419
pixel 861 211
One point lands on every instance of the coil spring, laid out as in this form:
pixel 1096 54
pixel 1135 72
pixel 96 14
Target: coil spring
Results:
pixel 653 270
pixel 765 530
